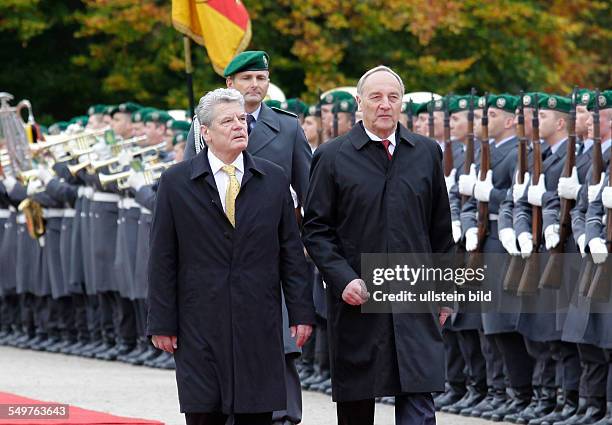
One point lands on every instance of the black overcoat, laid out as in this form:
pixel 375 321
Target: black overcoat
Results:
pixel 360 202
pixel 219 288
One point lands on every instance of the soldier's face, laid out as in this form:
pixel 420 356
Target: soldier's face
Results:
pixel 95 122
pixel 499 122
pixel 344 123
pixel 381 103
pixel 122 124
pixel 605 116
pixel 227 134
pixel 253 85
pixel 582 117
pixel 138 129
pixel 403 119
pixel 421 127
pixel 551 123
pixel 326 116
pixel 459 125
pixel 528 116
pixel 311 129
pixel 155 133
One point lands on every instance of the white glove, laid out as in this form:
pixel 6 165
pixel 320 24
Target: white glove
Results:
pixel 525 241
pixel 467 182
pixel 581 244
pixel 125 158
pixel 599 251
pixel 471 239
pixel 456 224
pixel 33 187
pixel 136 181
pixel 535 193
pixel 569 187
pixel 551 236
pixel 450 180
pixel 9 183
pixel 518 189
pixel 102 151
pixel 606 197
pixel 293 196
pixel 44 175
pixel 482 189
pixel 595 188
pixel 507 237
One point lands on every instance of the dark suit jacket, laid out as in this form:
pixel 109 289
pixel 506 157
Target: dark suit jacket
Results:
pixel 218 288
pixel 277 137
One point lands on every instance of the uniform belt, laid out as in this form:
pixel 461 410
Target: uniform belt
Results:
pixel 127 203
pixel 4 213
pixel 105 197
pixel 69 212
pixel 493 216
pixel 53 212
pixel 20 219
pixel 143 210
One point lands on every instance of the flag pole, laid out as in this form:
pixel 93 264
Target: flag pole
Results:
pixel 188 74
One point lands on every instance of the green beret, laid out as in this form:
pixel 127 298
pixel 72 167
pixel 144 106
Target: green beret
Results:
pixel 157 116
pixel 294 105
pixel 139 115
pixel 179 125
pixel 461 103
pixel 347 105
pixel 336 96
pixel 505 102
pixel 584 97
pixel 179 137
pixel 528 99
pixel 251 60
pixel 80 120
pixel 437 105
pixel 415 107
pixel 312 111
pixel 554 102
pixel 273 103
pixel 126 108
pixel 420 108
pixel 604 100
pixel 96 109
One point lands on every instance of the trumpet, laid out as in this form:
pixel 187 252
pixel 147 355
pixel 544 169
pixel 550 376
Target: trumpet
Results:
pixel 74 169
pixel 95 165
pixel 82 140
pixel 151 172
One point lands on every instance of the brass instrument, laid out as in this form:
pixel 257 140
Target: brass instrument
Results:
pixel 82 141
pixel 35 221
pixel 95 165
pixel 151 172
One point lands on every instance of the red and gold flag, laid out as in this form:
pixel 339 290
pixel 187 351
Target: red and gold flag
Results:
pixel 222 26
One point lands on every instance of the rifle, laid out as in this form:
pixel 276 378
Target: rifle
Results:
pixel 431 117
pixel 448 149
pixel 552 275
pixel 483 207
pixel 517 263
pixel 597 167
pixel 469 145
pixel 409 114
pixel 529 280
pixel 600 286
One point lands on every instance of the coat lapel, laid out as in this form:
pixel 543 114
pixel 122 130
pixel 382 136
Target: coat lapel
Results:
pixel 555 157
pixel 499 153
pixel 266 129
pixel 200 167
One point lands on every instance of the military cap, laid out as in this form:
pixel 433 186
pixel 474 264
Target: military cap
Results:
pixel 505 102
pixel 346 105
pixel 178 125
pixel 415 107
pixel 109 109
pixel 436 104
pixel 251 60
pixel 604 100
pixel 420 108
pixel 80 120
pixel 584 97
pixel 273 103
pixel 554 102
pixel 139 115
pixel 528 99
pixel 461 103
pixel 157 116
pixel 294 105
pixel 126 108
pixel 96 109
pixel 336 96
pixel 311 111
pixel 179 137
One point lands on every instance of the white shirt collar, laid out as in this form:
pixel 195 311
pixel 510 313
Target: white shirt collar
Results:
pixel 588 143
pixel 502 141
pixel 256 112
pixel 216 164
pixel 375 138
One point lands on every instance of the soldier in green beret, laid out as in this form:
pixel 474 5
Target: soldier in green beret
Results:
pixel 344 116
pixel 155 130
pixel 312 127
pixel 122 119
pixel 96 117
pixel 420 125
pixel 327 105
pixel 296 106
pixel 272 103
pixel 179 141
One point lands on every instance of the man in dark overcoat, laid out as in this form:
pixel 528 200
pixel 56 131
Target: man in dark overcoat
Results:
pixel 378 189
pixel 224 240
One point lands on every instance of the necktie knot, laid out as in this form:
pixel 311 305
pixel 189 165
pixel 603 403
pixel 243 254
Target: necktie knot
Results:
pixel 230 170
pixel 386 144
pixel 250 122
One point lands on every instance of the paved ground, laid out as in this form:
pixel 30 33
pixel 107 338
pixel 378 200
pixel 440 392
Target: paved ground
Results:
pixel 128 390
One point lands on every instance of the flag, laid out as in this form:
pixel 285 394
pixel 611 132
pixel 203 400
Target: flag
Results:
pixel 223 27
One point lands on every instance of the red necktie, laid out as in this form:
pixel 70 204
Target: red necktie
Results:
pixel 386 144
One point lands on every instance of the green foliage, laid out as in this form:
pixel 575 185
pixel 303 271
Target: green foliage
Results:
pixel 67 54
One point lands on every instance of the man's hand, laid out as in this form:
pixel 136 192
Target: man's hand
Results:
pixel 525 241
pixel 444 314
pixel 518 189
pixel 551 236
pixel 536 192
pixel 594 189
pixel 507 237
pixel 456 226
pixel 355 293
pixel 569 187
pixel 471 239
pixel 450 180
pixel 467 182
pixel 303 332
pixel 606 197
pixel 483 188
pixel 165 343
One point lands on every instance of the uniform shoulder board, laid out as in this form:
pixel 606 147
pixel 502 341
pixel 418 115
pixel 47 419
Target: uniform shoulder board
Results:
pixel 282 111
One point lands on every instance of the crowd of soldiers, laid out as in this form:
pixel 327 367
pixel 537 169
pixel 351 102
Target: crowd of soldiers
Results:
pixel 527 177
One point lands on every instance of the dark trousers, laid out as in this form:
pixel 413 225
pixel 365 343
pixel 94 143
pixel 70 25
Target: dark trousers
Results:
pixel 410 409
pixel 544 366
pixel 93 317
pixel 220 418
pixel 495 363
pixel 475 366
pixel 568 365
pixel 517 362
pixel 79 303
pixel 140 311
pixel 9 310
pixel 594 374
pixel 455 365
pixel 321 351
pixel 107 310
pixel 26 312
pixel 125 325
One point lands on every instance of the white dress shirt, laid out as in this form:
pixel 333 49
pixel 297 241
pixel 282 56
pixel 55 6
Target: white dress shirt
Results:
pixel 375 138
pixel 221 177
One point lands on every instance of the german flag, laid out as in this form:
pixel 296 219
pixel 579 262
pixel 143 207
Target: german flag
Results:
pixel 223 27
